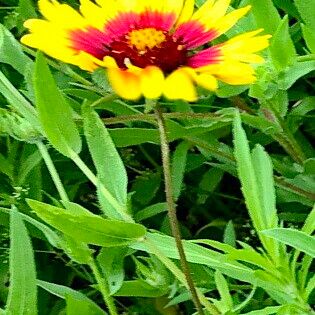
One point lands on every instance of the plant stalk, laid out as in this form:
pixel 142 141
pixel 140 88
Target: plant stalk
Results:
pixel 103 286
pixel 53 172
pixel 172 208
pixel 94 180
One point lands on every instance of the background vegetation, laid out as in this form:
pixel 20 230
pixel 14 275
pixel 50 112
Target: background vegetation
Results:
pixel 242 164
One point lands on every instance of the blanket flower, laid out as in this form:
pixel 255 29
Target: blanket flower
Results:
pixel 150 48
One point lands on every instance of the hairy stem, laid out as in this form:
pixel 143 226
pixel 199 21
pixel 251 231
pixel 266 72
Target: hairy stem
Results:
pixel 94 180
pixel 169 264
pixel 53 172
pixel 103 286
pixel 172 208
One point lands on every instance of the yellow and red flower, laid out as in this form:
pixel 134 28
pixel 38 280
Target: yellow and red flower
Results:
pixel 150 47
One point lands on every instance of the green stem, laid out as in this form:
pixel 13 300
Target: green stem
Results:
pixel 179 275
pixel 109 197
pixel 172 209
pixel 103 286
pixel 287 140
pixel 53 172
pixel 310 57
pixel 151 117
pixel 104 99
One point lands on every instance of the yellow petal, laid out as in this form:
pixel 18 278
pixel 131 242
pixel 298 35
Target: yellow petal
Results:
pixel 243 45
pixel 207 81
pixel 125 83
pixel 187 12
pixel 234 73
pixel 51 45
pixel 179 85
pixel 152 80
pixel 218 10
pixel 175 6
pixel 95 15
pixel 85 61
pixel 229 20
pixel 109 62
pixel 61 14
pixel 206 7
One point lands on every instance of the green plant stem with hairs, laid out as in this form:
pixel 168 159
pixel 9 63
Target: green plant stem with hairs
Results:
pixel 103 286
pixel 172 208
pixel 53 172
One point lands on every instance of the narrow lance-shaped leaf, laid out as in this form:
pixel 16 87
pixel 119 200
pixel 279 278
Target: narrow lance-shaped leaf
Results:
pixel 55 114
pixel 11 51
pixel 110 168
pixel 261 10
pixel 282 48
pixel 297 239
pixel 264 173
pixel 309 37
pixel 87 227
pixel 223 289
pixel 309 225
pixel 22 298
pixel 18 102
pixel 68 293
pixel 306 9
pixel 254 188
pixel 247 174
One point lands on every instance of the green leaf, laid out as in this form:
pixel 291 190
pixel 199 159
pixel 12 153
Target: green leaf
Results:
pixel 18 102
pixel 309 225
pixel 145 187
pixel 309 37
pixel 22 298
pixel 288 7
pixel 54 112
pixel 265 311
pixel 264 174
pixel 261 10
pixel 229 234
pixel 65 292
pixel 151 211
pixel 111 260
pixel 52 237
pixel 223 289
pixel 110 168
pixel 26 10
pixel 87 227
pixel 77 306
pixel 255 174
pixel 294 238
pixel 138 288
pixel 178 167
pixel 306 9
pixel 27 166
pixel 281 47
pixel 295 72
pixel 11 51
pixel 6 167
pixel 78 251
pixel 199 255
pixel 125 137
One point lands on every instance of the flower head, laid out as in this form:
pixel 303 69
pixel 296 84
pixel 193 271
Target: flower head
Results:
pixel 150 47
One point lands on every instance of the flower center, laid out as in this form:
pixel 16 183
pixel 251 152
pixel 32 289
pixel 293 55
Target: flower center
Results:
pixel 142 47
pixel 146 38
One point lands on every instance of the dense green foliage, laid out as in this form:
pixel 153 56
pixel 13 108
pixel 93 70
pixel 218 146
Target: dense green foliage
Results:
pixel 82 202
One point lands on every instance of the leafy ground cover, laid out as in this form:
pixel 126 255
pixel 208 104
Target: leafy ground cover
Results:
pixel 83 215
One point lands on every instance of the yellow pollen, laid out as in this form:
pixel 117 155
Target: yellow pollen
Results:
pixel 146 38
